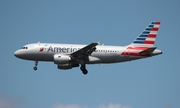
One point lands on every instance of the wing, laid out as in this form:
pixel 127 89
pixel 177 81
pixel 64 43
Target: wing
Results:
pixel 85 51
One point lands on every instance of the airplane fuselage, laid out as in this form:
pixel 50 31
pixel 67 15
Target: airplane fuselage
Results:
pixel 102 54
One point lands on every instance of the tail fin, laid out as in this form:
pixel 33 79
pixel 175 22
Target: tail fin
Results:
pixel 148 36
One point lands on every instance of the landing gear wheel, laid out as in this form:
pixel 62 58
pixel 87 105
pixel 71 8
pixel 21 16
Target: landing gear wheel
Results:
pixel 35 68
pixel 83 69
pixel 85 72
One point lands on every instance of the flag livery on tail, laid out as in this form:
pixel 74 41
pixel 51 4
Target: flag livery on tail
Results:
pixel 143 45
pixel 148 36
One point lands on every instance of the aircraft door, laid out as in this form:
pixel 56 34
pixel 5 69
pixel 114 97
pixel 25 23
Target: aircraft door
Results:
pixel 36 48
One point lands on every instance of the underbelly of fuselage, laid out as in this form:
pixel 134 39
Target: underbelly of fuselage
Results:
pixel 105 59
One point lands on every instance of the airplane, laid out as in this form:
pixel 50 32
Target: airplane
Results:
pixel 68 56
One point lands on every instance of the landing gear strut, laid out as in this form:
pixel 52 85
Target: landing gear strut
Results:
pixel 83 69
pixel 35 67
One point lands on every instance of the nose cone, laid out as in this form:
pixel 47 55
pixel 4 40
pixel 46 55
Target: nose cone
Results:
pixel 17 54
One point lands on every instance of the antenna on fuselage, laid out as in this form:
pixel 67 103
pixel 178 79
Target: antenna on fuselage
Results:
pixel 39 43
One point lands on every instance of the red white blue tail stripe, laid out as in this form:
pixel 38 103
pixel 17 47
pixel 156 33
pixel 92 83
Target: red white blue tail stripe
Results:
pixel 144 43
pixel 148 36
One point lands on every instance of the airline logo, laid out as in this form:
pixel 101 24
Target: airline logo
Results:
pixel 148 36
pixel 144 41
pixel 41 49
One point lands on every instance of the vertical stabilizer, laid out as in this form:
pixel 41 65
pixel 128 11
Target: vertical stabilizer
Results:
pixel 148 36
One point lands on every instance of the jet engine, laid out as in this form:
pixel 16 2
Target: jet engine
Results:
pixel 67 66
pixel 61 59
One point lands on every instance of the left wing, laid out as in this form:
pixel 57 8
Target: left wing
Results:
pixel 86 51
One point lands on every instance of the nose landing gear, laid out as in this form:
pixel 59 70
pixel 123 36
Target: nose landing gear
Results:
pixel 35 67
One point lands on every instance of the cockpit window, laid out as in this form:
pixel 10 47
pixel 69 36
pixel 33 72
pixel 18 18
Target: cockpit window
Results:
pixel 24 48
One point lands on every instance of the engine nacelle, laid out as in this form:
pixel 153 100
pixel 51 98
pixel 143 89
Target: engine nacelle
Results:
pixel 61 59
pixel 64 66
pixel 67 66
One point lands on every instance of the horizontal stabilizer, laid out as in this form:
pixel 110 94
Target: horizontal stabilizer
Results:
pixel 148 51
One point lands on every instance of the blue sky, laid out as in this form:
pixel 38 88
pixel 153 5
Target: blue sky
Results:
pixel 146 83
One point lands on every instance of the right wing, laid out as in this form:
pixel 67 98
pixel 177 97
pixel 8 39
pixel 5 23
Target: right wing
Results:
pixel 86 51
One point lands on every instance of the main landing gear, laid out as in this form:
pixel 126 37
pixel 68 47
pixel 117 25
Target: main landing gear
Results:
pixel 83 69
pixel 35 67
